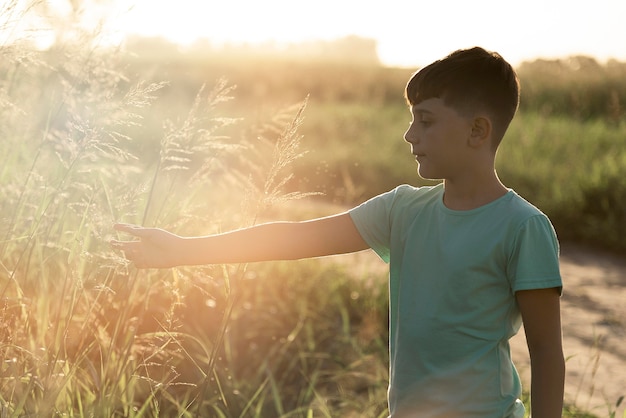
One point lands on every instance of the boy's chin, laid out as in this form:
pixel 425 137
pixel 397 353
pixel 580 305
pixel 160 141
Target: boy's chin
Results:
pixel 426 175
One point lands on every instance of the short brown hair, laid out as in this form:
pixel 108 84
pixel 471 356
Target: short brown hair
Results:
pixel 469 80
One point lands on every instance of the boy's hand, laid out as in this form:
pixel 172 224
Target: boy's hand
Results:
pixel 155 248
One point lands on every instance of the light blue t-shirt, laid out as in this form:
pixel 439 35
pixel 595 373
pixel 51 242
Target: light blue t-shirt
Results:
pixel 453 278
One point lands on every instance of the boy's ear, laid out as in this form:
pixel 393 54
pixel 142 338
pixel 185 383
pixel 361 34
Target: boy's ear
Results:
pixel 481 132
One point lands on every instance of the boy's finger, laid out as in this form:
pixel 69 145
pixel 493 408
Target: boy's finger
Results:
pixel 128 247
pixel 130 229
pixel 120 245
pixel 123 227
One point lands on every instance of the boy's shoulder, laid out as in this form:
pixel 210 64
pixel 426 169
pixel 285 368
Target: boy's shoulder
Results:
pixel 516 204
pixel 406 192
pixel 407 189
pixel 401 197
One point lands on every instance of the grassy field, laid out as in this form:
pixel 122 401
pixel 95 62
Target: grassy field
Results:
pixel 93 137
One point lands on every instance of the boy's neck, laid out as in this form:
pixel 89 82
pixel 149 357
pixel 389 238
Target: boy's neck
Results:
pixel 470 193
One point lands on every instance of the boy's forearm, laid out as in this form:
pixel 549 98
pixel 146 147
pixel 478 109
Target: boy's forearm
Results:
pixel 260 243
pixel 548 377
pixel 275 241
pixel 540 309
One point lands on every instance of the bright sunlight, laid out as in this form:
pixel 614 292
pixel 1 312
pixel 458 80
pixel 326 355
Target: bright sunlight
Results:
pixel 408 34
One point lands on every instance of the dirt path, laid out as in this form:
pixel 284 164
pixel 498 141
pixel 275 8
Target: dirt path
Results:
pixel 594 331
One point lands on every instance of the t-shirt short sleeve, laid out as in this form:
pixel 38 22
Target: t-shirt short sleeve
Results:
pixel 534 262
pixel 373 221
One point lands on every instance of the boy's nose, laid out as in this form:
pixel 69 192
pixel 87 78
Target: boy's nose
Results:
pixel 410 137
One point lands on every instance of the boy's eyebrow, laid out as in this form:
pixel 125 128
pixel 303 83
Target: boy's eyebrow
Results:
pixel 417 110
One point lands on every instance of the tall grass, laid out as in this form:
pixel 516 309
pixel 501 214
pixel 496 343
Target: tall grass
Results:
pixel 85 335
pixel 68 339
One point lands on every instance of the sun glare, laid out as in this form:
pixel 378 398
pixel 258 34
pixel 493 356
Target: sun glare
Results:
pixel 234 21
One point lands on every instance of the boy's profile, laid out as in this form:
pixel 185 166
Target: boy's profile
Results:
pixel 469 259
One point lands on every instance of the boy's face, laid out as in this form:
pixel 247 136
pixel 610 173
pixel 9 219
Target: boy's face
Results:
pixel 439 137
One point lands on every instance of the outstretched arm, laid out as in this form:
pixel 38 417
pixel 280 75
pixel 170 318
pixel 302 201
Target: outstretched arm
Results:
pixel 156 248
pixel 540 311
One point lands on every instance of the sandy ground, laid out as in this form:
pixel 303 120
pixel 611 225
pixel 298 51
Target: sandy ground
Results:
pixel 594 326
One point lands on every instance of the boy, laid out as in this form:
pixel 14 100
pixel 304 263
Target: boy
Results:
pixel 469 258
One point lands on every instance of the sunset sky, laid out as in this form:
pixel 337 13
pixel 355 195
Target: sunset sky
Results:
pixel 408 33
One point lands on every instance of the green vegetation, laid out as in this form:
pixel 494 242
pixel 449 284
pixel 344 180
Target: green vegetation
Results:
pixel 90 137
